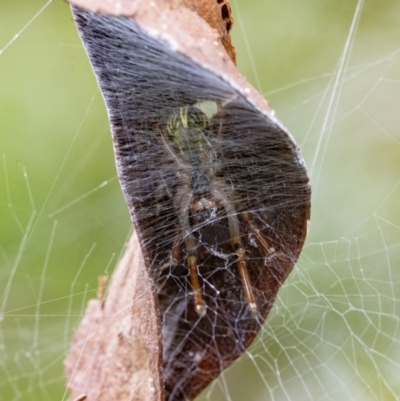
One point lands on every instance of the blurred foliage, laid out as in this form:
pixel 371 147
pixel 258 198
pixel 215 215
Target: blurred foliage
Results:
pixel 64 220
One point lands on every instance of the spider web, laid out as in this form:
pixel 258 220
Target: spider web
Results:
pixel 331 71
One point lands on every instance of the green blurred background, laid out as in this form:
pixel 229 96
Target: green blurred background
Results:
pixel 334 332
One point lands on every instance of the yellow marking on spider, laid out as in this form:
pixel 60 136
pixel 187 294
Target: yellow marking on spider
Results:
pixel 183 111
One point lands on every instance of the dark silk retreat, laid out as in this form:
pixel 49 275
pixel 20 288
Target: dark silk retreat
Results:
pixel 144 82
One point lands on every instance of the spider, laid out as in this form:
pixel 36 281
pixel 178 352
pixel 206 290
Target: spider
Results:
pixel 189 139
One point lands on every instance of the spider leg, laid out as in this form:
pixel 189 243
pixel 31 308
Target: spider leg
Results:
pixel 184 199
pixel 261 238
pixel 220 191
pixel 174 256
pixel 221 116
